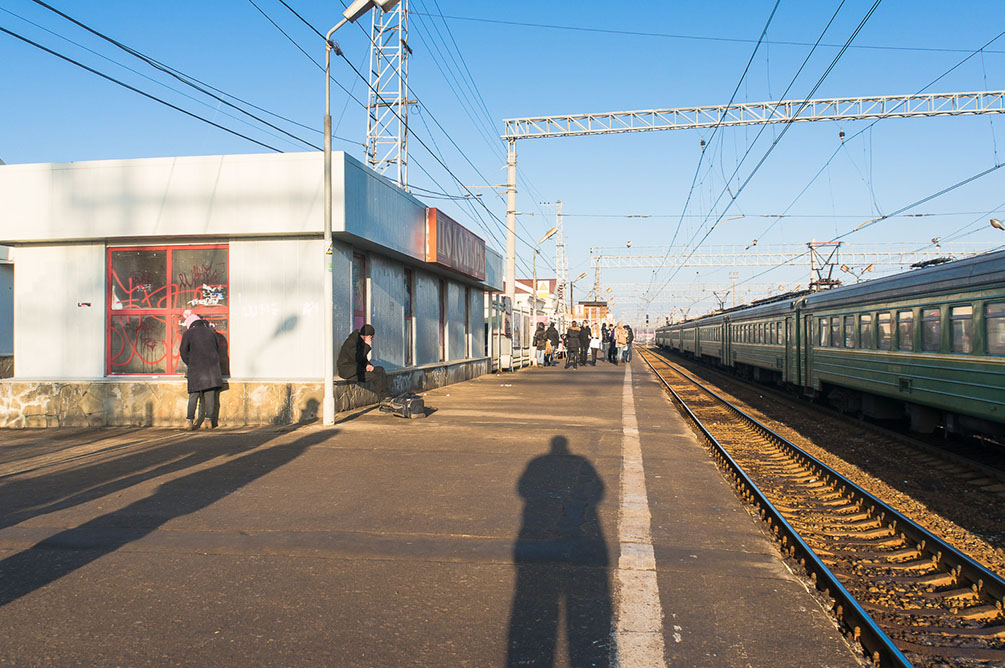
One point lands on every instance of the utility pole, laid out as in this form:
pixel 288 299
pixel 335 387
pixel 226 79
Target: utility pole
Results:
pixel 733 276
pixel 561 262
pixel 387 103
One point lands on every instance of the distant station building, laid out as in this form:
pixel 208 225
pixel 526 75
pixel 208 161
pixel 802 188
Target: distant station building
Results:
pixel 111 253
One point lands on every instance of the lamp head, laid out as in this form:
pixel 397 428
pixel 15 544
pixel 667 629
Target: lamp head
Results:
pixel 997 224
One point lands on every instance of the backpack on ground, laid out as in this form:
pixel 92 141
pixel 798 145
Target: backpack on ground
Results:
pixel 407 405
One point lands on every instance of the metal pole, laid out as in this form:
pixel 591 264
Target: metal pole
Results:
pixel 533 292
pixel 328 400
pixel 511 221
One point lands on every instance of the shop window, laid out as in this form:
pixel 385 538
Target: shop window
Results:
pixel 962 328
pixel 409 320
pixel 994 318
pixel 825 333
pixel 359 310
pixel 148 291
pixel 905 330
pixel 885 321
pixel 836 338
pixel 865 336
pixel 931 330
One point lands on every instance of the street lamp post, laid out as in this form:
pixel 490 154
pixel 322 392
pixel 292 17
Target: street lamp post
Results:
pixel 572 304
pixel 534 287
pixel 357 9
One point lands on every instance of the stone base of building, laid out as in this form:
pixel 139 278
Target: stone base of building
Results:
pixel 162 403
pixel 6 366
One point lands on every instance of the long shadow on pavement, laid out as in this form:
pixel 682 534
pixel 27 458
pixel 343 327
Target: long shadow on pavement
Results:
pixel 562 564
pixel 69 550
pixel 39 493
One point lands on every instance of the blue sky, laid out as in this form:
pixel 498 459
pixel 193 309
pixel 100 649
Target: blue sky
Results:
pixel 532 58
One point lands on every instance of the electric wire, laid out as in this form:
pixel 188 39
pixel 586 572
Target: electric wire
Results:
pixel 633 33
pixel 781 134
pixel 137 90
pixel 170 71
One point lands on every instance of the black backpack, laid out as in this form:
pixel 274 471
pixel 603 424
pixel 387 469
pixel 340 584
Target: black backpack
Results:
pixel 407 405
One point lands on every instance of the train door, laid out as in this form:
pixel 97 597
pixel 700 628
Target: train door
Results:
pixel 790 350
pixel 806 341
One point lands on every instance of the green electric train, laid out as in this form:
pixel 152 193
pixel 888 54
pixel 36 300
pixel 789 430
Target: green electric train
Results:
pixel 927 345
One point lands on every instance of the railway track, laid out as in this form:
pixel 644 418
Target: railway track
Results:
pixel 906 595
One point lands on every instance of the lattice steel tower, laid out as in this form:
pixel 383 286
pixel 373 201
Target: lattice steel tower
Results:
pixel 387 105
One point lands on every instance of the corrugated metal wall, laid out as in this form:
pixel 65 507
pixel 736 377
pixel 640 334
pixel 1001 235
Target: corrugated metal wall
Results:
pixel 6 309
pixel 387 312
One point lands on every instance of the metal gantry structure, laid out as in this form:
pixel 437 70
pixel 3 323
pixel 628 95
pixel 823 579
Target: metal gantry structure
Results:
pixel 740 114
pixel 387 103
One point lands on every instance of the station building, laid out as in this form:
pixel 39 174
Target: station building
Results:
pixel 110 253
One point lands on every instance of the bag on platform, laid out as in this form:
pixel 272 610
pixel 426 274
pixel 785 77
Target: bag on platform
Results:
pixel 547 348
pixel 595 343
pixel 407 405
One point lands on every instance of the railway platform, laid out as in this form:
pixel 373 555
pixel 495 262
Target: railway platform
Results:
pixel 522 520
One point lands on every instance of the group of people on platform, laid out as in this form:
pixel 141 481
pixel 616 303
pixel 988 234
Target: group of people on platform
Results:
pixel 583 344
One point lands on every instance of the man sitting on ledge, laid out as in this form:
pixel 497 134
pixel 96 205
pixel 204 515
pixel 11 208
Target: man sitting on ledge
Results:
pixel 354 361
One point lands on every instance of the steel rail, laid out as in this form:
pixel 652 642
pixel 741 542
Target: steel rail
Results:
pixel 848 611
pixel 987 583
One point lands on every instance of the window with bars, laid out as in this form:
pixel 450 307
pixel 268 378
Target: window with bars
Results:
pixel 148 290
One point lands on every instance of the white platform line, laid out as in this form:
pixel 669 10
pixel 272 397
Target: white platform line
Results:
pixel 638 626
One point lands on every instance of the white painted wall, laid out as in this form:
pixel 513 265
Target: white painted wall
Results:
pixel 56 338
pixel 6 309
pixel 276 299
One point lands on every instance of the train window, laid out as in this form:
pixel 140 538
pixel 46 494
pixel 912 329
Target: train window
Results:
pixel 885 322
pixel 836 332
pixel 849 331
pixel 865 335
pixel 905 330
pixel 962 323
pixel 931 330
pixel 994 317
pixel 825 333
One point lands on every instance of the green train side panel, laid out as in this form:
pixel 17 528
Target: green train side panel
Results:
pixel 764 355
pixel 964 384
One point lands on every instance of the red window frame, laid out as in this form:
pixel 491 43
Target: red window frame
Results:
pixel 169 314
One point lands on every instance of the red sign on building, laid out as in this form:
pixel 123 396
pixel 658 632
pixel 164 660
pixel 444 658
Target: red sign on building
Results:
pixel 450 244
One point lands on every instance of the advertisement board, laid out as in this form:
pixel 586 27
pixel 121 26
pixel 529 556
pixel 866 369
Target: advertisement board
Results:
pixel 451 245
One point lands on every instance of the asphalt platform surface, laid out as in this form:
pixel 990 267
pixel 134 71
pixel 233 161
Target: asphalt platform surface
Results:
pixel 485 534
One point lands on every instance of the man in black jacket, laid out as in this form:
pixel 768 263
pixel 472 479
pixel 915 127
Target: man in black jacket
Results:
pixel 354 361
pixel 628 348
pixel 584 342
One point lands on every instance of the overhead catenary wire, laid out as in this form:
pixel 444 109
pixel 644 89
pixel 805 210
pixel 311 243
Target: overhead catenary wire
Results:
pixel 781 134
pixel 137 90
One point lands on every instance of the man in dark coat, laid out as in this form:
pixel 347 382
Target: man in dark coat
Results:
pixel 354 361
pixel 584 342
pixel 572 346
pixel 631 338
pixel 200 351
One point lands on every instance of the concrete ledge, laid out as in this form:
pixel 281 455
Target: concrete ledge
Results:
pixel 119 402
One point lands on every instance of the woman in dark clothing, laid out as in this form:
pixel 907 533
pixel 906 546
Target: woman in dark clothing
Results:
pixel 572 346
pixel 200 350
pixel 552 335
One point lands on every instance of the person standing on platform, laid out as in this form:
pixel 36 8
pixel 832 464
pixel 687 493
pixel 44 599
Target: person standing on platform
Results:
pixel 620 341
pixel 584 342
pixel 605 340
pixel 354 361
pixel 540 341
pixel 552 335
pixel 200 351
pixel 628 343
pixel 612 347
pixel 572 346
pixel 594 346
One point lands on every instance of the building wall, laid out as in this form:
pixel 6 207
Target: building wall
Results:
pixel 456 336
pixel 276 315
pixel 6 310
pixel 477 305
pixel 387 312
pixel 427 318
pixel 58 334
pixel 377 211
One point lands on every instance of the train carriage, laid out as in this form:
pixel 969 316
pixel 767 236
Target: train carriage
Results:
pixel 930 341
pixel 711 338
pixel 763 341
